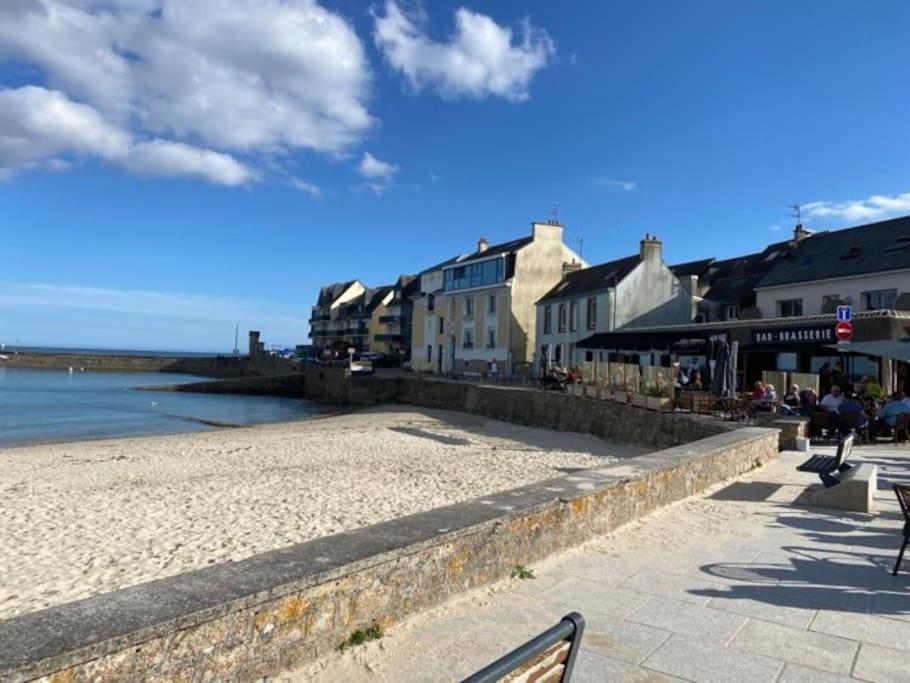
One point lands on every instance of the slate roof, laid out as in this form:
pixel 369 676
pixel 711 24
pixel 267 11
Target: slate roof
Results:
pixel 369 299
pixel 493 249
pixel 733 281
pixel 329 293
pixel 594 279
pixel 870 248
pixel 698 268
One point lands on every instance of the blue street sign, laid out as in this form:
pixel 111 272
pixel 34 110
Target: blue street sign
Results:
pixel 844 314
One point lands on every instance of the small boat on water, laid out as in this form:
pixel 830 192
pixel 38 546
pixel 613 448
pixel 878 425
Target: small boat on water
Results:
pixel 3 357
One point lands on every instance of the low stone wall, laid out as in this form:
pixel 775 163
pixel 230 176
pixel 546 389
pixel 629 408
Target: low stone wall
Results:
pixel 256 617
pixel 545 409
pixel 208 366
pixel 563 412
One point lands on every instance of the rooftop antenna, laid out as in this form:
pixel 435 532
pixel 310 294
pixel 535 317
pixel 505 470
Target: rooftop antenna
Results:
pixel 555 212
pixel 797 213
pixel 581 244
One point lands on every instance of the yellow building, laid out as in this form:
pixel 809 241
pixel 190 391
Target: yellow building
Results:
pixel 478 309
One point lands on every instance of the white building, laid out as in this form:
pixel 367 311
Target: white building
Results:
pixel 867 267
pixel 634 291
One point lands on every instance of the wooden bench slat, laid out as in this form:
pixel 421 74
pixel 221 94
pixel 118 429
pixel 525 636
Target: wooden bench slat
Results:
pixel 541 668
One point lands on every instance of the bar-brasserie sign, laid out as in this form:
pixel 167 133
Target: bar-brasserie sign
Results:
pixel 799 335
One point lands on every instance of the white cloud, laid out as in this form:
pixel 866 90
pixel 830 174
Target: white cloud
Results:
pixel 480 59
pixel 37 126
pixel 618 185
pixel 163 158
pixel 434 178
pixel 304 186
pixel 873 208
pixel 379 174
pixel 250 77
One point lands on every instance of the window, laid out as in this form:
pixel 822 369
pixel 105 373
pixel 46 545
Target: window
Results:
pixel 442 325
pixel 473 275
pixel 573 316
pixel 881 299
pixel 829 300
pixel 431 302
pixel 429 354
pixel 469 306
pixel 491 303
pixel 491 337
pixel 468 339
pixel 592 313
pixel 547 319
pixel 562 317
pixel 732 312
pixel 789 308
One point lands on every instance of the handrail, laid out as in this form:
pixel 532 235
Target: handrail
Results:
pixel 570 628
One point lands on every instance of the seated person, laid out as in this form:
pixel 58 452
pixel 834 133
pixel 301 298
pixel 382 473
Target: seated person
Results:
pixel 832 400
pixel 808 401
pixel 852 406
pixel 791 398
pixel 696 381
pixel 758 393
pixel 887 416
pixel 769 397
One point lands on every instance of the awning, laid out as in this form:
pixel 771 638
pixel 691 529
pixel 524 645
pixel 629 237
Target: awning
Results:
pixel 647 342
pixel 895 349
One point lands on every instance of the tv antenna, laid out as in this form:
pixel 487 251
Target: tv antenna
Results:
pixel 797 213
pixel 581 244
pixel 555 212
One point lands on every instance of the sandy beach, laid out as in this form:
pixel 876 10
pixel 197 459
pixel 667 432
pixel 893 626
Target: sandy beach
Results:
pixel 90 517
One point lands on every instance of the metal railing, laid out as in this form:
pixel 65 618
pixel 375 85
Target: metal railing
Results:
pixel 571 629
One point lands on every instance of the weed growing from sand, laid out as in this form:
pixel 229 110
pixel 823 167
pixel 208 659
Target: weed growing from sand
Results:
pixel 361 636
pixel 522 572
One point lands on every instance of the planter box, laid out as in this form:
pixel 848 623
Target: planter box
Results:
pixel 658 402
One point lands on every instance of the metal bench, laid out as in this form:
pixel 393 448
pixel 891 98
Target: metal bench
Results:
pixel 548 658
pixel 826 465
pixel 903 497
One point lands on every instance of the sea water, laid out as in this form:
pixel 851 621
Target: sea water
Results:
pixel 56 405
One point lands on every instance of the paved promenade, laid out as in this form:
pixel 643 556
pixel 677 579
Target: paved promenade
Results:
pixel 745 583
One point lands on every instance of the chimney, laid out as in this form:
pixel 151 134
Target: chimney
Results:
pixel 255 344
pixel 651 248
pixel 800 233
pixel 572 267
pixel 482 245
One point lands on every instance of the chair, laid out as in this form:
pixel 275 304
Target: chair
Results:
pixel 548 658
pixel 820 421
pixel 826 465
pixel 902 428
pixel 851 423
pixel 903 497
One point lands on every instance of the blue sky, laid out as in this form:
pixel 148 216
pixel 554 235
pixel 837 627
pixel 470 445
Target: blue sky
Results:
pixel 159 182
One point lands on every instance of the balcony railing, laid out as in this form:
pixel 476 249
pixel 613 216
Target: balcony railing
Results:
pixel 389 319
pixel 389 337
pixel 319 317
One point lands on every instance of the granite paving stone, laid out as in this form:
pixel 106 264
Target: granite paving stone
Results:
pixel 709 625
pixel 696 660
pixel 794 673
pixel 623 640
pixel 816 650
pixel 794 614
pixel 576 594
pixel 867 628
pixel 595 668
pixel 882 664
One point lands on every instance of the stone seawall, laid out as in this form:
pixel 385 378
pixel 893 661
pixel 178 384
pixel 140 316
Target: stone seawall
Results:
pixel 545 409
pixel 213 366
pixel 256 617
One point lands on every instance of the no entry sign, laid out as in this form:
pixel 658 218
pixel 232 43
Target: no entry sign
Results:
pixel 844 331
